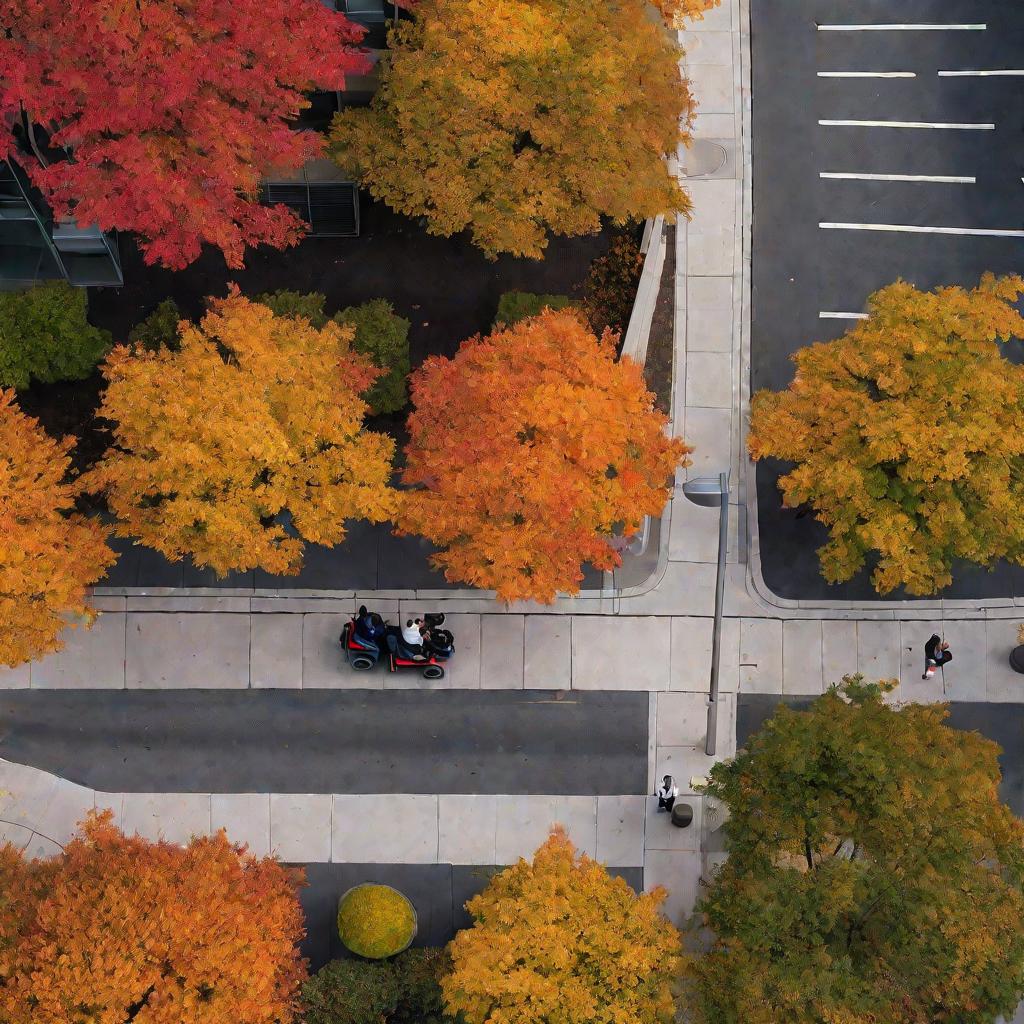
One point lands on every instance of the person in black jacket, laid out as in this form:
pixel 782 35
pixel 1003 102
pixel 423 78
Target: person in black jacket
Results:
pixel 936 654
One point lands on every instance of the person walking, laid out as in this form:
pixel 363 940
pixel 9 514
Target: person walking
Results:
pixel 667 793
pixel 936 654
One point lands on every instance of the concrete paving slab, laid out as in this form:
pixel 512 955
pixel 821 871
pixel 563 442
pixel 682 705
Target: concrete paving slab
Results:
pixel 41 801
pixel 878 649
pixel 712 85
pixel 707 48
pixel 708 432
pixel 501 652
pixel 709 330
pixel 714 126
pixel 245 817
pixel 632 653
pixel 323 663
pixel 965 677
pixel 802 657
pixel 524 823
pixel 1001 682
pixel 661 834
pixel 176 817
pixel 678 872
pixel 691 653
pixel 547 661
pixel 17 678
pixel 19 836
pixel 711 251
pixel 709 380
pixel 838 649
pixel 463 671
pixel 275 658
pixel 620 830
pixel 467 828
pixel 684 763
pixel 41 848
pixel 204 650
pixel 682 719
pixel 693 533
pixel 300 827
pixel 717 19
pixel 92 659
pixel 729 657
pixel 761 656
pixel 401 828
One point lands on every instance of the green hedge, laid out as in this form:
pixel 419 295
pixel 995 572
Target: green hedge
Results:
pixel 287 303
pixel 516 306
pixel 44 335
pixel 384 337
pixel 404 990
pixel 159 329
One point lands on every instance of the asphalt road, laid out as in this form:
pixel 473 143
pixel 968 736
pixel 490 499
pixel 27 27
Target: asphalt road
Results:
pixel 332 741
pixel 801 270
pixel 1003 723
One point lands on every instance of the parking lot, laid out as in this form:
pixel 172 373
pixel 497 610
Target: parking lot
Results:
pixel 888 142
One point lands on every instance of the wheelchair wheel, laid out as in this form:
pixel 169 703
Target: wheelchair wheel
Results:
pixel 433 672
pixel 362 662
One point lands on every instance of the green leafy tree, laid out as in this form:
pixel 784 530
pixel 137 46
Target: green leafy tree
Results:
pixel 516 306
pixel 908 435
pixel 873 874
pixel 519 118
pixel 159 329
pixel 45 336
pixel 383 336
pixel 303 304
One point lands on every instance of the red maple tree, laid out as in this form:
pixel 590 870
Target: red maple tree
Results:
pixel 161 116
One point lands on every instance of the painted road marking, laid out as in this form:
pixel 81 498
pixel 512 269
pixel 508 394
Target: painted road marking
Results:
pixel 976 126
pixel 903 28
pixel 868 74
pixel 949 178
pixel 980 74
pixel 842 316
pixel 916 229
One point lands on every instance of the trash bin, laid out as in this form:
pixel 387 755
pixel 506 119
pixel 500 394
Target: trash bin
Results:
pixel 682 815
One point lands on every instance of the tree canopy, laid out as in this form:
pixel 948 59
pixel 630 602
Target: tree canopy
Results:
pixel 526 450
pixel 516 118
pixel 873 873
pixel 676 12
pixel 559 939
pixel 172 111
pixel 118 928
pixel 48 554
pixel 250 423
pixel 908 435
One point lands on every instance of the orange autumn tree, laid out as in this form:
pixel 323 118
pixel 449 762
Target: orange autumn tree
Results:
pixel 529 448
pixel 251 418
pixel 48 554
pixel 676 12
pixel 907 435
pixel 118 929
pixel 519 118
pixel 559 939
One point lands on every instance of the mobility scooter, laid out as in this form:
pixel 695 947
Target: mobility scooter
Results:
pixel 367 637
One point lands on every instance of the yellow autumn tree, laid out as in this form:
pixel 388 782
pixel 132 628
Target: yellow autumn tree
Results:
pixel 244 441
pixel 116 928
pixel 49 555
pixel 907 435
pixel 676 12
pixel 516 118
pixel 527 451
pixel 559 939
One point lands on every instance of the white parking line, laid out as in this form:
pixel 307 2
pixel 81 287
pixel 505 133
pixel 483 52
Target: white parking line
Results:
pixel 903 28
pixel 842 316
pixel 868 74
pixel 981 74
pixel 917 229
pixel 852 176
pixel 968 126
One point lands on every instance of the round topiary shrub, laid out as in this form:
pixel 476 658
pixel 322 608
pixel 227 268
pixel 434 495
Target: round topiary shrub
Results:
pixel 376 921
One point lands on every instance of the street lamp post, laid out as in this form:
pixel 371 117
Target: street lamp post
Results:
pixel 709 492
